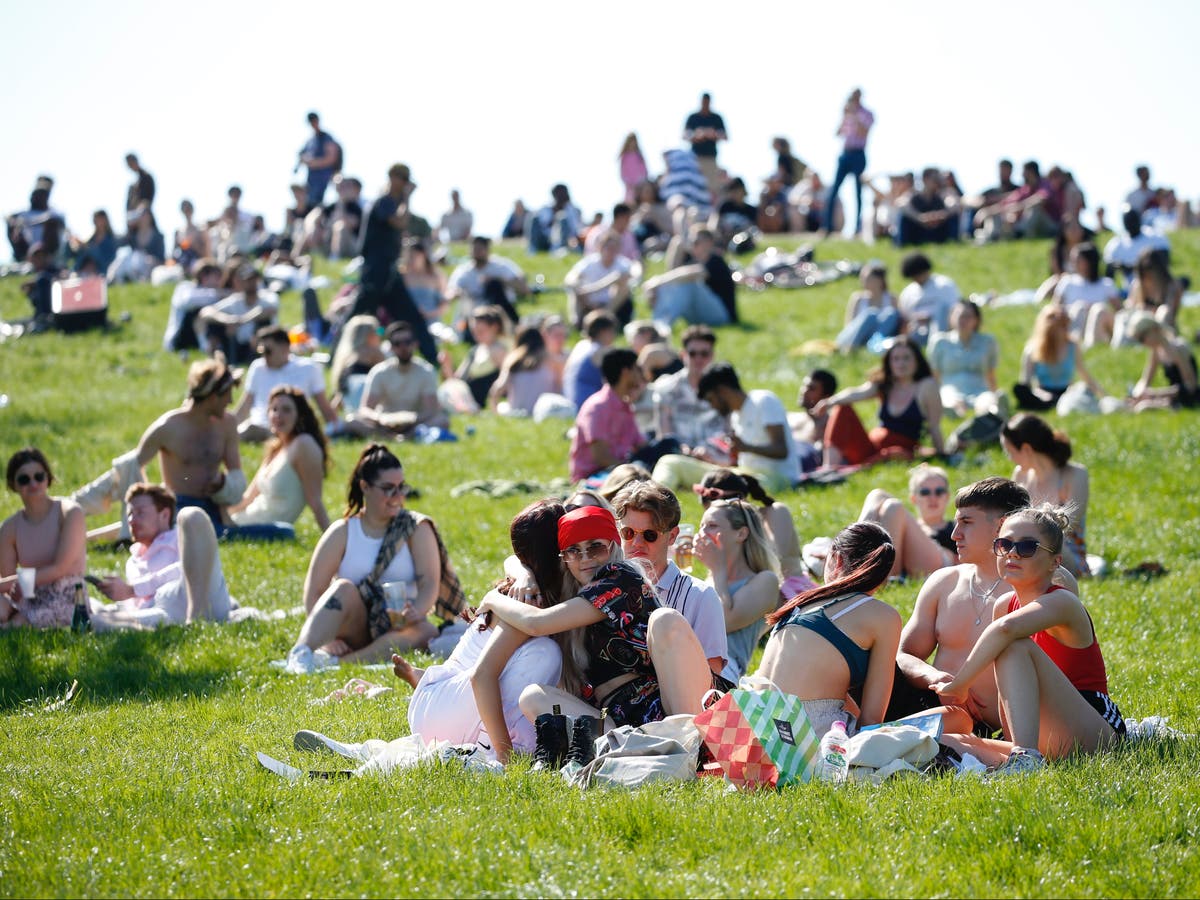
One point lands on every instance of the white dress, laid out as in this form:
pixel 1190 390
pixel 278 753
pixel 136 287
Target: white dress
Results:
pixel 280 496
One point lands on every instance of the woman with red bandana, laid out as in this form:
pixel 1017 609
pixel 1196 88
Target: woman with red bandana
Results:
pixel 640 662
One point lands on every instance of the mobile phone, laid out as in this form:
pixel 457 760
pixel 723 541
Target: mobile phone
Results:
pixel 92 580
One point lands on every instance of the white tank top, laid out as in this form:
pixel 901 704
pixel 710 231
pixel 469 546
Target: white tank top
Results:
pixel 361 551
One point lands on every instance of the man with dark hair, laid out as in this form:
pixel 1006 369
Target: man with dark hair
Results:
pixel 581 373
pixel 400 393
pixel 606 431
pixel 927 218
pixel 230 324
pixel 141 192
pixel 759 439
pixel 485 280
pixel 37 225
pixel 808 430
pixel 954 607
pixel 622 220
pixel 679 410
pixel 275 366
pixel 556 226
pixel 173 575
pixel 601 280
pixel 703 129
pixel 322 156
pixel 648 521
pixel 1032 210
pixel 925 302
pixel 1122 250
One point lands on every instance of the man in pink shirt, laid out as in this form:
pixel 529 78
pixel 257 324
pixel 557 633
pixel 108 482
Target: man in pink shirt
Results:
pixel 606 431
pixel 173 575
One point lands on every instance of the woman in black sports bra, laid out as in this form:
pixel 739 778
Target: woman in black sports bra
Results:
pixel 837 638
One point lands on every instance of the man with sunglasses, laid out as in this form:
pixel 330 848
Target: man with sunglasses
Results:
pixel 400 393
pixel 648 522
pixel 683 415
pixel 955 606
pixel 275 366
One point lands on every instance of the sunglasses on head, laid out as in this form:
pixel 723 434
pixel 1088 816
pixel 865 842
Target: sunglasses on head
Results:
pixel 593 550
pixel 1025 548
pixel 936 492
pixel 391 490
pixel 24 478
pixel 650 535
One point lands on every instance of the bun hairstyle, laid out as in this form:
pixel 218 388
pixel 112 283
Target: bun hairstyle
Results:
pixel 374 459
pixel 726 484
pixel 865 556
pixel 1026 428
pixel 1051 522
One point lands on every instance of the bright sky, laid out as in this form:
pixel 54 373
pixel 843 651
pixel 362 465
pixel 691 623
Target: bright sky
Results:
pixel 502 100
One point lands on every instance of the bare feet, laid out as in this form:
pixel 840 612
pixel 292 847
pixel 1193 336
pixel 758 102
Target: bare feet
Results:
pixel 405 670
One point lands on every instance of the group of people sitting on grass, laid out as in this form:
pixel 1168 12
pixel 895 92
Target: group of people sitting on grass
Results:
pixel 593 616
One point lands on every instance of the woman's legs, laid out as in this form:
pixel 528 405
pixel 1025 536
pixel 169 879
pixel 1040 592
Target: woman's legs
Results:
pixel 538 699
pixel 338 614
pixel 846 440
pixel 1041 708
pixel 679 662
pixel 916 552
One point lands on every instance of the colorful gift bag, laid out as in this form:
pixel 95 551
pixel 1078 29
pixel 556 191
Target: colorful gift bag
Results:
pixel 760 736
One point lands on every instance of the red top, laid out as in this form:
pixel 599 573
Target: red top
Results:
pixel 1084 667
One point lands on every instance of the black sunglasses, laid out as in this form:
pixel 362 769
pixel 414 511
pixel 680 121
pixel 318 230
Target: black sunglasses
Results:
pixel 594 550
pixel 391 490
pixel 937 491
pixel 650 535
pixel 24 479
pixel 1025 549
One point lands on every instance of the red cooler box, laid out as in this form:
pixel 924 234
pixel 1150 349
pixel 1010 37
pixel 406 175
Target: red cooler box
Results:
pixel 79 303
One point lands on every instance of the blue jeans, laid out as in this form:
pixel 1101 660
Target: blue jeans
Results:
pixel 868 322
pixel 851 162
pixel 691 301
pixel 267 531
pixel 554 236
pixel 318 181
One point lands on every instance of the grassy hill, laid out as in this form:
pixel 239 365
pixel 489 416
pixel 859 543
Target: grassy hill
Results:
pixel 147 783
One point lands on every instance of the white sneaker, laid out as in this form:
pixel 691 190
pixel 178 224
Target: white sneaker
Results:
pixel 300 660
pixel 314 741
pixel 323 660
pixel 1021 761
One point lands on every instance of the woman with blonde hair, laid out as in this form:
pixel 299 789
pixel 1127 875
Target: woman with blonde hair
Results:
pixel 1050 361
pixel 359 349
pixel 744 571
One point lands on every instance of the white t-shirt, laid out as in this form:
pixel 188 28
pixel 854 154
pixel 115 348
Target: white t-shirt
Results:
pixel 696 601
pixel 467 281
pixel 1124 250
pixel 1072 289
pixel 235 305
pixel 296 372
pixel 591 269
pixel 930 301
pixel 761 409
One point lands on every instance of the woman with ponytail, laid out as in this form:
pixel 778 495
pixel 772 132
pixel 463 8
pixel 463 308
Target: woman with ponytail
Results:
pixel 1044 468
pixel 1043 648
pixel 837 640
pixel 375 575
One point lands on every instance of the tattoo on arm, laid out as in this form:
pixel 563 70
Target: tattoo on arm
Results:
pixel 333 602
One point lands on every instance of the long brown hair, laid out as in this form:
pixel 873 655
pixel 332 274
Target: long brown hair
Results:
pixel 1050 335
pixel 866 550
pixel 374 459
pixel 306 423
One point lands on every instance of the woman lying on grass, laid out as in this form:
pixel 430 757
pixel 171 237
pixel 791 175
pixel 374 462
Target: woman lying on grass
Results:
pixel 377 548
pixel 639 661
pixel 1049 670
pixel 473 696
pixel 837 639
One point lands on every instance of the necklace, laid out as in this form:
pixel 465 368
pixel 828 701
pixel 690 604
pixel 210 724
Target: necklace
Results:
pixel 982 598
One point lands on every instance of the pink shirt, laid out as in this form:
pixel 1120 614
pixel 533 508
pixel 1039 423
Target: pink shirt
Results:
pixel 149 568
pixel 604 416
pixel 855 125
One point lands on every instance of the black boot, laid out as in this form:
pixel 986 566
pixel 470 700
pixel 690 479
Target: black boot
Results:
pixel 552 740
pixel 583 740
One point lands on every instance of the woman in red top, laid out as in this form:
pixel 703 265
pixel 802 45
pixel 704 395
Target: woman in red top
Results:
pixel 1049 669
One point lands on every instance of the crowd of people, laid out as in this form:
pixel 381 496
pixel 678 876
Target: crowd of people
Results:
pixel 596 613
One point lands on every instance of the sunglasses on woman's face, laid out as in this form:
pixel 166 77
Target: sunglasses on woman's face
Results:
pixel 1025 548
pixel 391 490
pixel 650 536
pixel 936 492
pixel 24 479
pixel 594 550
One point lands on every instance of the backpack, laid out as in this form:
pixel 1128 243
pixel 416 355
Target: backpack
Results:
pixel 337 162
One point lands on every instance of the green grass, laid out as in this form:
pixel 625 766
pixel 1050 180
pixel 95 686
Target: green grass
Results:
pixel 147 784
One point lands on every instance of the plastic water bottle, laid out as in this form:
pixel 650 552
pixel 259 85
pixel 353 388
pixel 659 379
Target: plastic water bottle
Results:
pixel 831 764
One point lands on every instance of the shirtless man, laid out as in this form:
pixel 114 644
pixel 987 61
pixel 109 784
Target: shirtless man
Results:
pixel 193 442
pixel 952 610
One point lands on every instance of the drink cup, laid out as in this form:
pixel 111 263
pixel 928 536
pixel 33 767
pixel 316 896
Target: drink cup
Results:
pixel 399 595
pixel 684 544
pixel 26 578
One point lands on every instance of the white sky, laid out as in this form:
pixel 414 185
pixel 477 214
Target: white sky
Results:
pixel 502 100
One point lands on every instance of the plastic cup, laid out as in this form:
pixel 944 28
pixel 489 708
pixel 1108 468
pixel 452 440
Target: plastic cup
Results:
pixel 684 545
pixel 27 579
pixel 398 595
